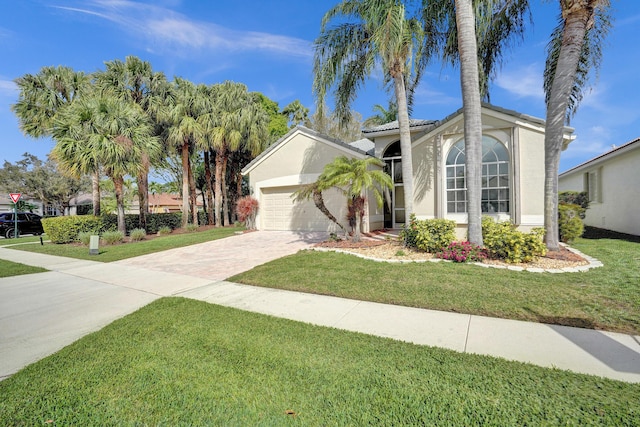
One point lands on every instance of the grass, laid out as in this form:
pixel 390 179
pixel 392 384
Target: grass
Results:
pixel 122 251
pixel 602 298
pixel 8 268
pixel 183 362
pixel 30 239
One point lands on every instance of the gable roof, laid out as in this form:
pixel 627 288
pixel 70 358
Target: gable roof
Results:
pixel 414 124
pixel 614 152
pixel 305 131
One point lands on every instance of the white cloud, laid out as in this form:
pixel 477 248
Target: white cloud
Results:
pixel 8 88
pixel 523 81
pixel 173 31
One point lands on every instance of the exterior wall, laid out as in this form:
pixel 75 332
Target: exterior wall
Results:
pixel 530 164
pixel 616 205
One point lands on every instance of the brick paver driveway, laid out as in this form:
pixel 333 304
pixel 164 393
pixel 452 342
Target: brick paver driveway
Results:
pixel 222 258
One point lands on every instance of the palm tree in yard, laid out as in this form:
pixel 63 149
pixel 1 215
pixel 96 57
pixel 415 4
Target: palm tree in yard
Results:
pixel 574 49
pixel 355 177
pixel 182 129
pixel 109 131
pixel 365 34
pixel 134 80
pixel 474 34
pixel 382 115
pixel 44 95
pixel 238 122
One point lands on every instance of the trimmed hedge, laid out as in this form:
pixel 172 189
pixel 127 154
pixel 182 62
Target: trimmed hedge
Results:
pixel 504 241
pixel 155 221
pixel 570 225
pixel 65 229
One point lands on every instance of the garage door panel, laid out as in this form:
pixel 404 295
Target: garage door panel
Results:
pixel 281 212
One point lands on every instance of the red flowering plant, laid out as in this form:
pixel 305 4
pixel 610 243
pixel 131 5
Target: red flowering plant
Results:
pixel 247 209
pixel 463 252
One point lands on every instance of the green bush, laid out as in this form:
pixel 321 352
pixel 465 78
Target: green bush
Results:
pixel 154 221
pixel 191 228
pixel 84 237
pixel 581 199
pixel 112 237
pixel 65 229
pixel 429 235
pixel 570 225
pixel 137 234
pixel 502 240
pixel 164 230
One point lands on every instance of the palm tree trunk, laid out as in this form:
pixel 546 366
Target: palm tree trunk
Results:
pixel 472 110
pixel 574 31
pixel 225 193
pixel 318 200
pixel 143 192
pixel 209 186
pixel 405 143
pixel 118 184
pixel 95 191
pixel 185 183
pixel 193 198
pixel 218 185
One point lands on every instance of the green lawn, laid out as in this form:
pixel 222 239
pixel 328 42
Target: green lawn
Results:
pixel 129 250
pixel 602 298
pixel 29 239
pixel 183 362
pixel 8 268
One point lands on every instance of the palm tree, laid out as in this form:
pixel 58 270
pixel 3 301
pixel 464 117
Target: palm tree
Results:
pixel 367 33
pixel 237 122
pixel 109 131
pixel 134 80
pixel 180 116
pixel 314 191
pixel 474 33
pixel 383 115
pixel 296 113
pixel 354 177
pixel 44 95
pixel 574 49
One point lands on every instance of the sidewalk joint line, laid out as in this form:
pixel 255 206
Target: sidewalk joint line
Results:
pixel 466 338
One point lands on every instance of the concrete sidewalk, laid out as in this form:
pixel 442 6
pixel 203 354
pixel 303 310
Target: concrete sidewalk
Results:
pixel 41 313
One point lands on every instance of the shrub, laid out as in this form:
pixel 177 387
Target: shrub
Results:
pixel 137 234
pixel 463 252
pixel 429 235
pixel 580 199
pixel 154 221
pixel 191 228
pixel 503 241
pixel 112 237
pixel 570 224
pixel 164 230
pixel 84 237
pixel 247 209
pixel 65 229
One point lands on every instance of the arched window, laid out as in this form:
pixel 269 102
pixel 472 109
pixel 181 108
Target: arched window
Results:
pixel 495 177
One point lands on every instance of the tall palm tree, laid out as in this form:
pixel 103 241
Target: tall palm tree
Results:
pixel 366 33
pixel 474 33
pixel 296 113
pixel 135 81
pixel 355 177
pixel 180 116
pixel 109 131
pixel 44 95
pixel 574 49
pixel 237 122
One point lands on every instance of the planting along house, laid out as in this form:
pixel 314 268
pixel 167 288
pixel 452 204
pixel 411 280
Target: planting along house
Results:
pixel 512 173
pixel 612 182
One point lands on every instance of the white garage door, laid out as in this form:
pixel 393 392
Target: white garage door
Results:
pixel 279 211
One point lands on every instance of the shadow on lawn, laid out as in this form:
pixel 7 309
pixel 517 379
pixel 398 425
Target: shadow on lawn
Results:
pixel 593 233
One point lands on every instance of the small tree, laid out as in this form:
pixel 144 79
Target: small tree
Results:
pixel 247 209
pixel 354 177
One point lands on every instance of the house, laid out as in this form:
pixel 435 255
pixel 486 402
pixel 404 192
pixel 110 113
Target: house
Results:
pixel 166 203
pixel 513 173
pixel 612 182
pixel 6 204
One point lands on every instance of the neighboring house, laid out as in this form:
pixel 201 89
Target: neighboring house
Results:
pixel 6 204
pixel 167 202
pixel 513 173
pixel 612 182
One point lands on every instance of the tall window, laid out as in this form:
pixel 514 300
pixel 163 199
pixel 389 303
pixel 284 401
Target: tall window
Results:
pixel 495 178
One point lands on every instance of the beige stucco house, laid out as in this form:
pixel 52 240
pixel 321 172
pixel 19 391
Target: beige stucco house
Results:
pixel 513 172
pixel 612 182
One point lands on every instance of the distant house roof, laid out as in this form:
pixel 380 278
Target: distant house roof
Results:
pixel 365 145
pixel 413 123
pixel 616 151
pixel 168 199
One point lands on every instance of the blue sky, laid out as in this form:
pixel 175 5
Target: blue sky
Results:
pixel 268 46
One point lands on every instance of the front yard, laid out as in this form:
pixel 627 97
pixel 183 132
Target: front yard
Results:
pixel 184 362
pixel 603 298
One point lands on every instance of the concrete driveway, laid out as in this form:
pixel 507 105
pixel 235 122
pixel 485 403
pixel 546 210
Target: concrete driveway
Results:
pixel 42 313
